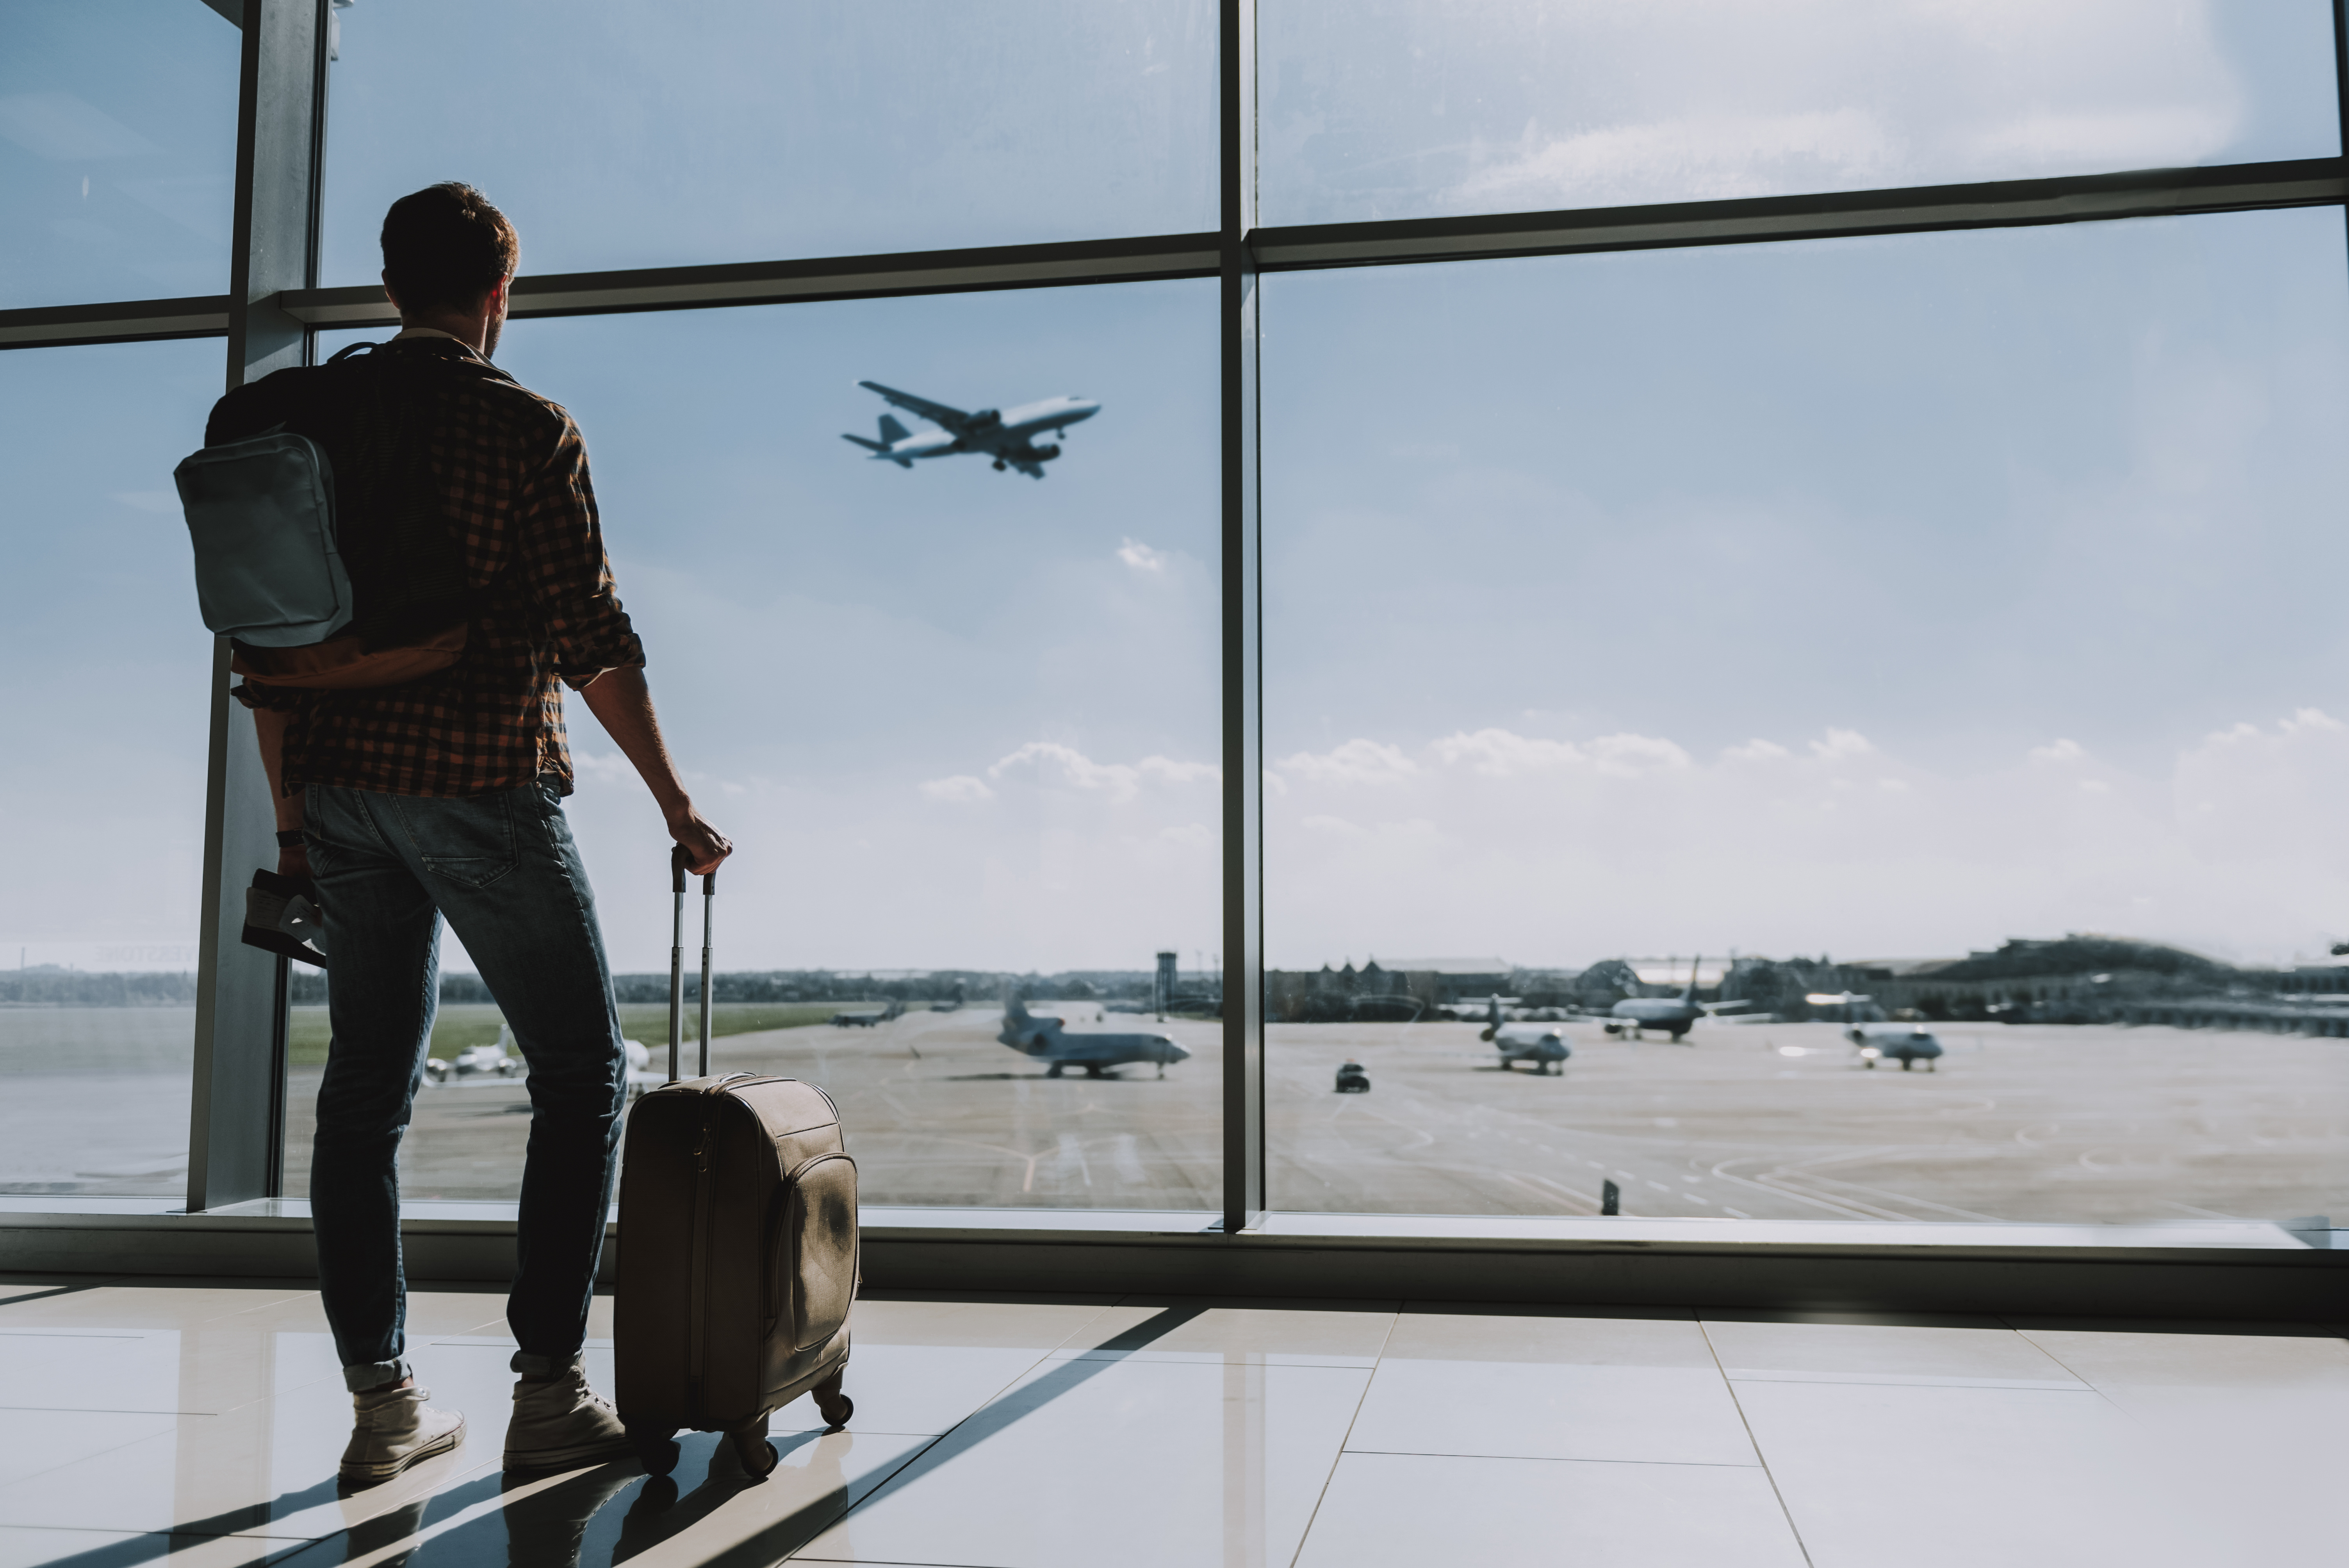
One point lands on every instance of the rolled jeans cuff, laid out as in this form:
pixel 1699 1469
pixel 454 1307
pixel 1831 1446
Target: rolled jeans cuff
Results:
pixel 375 1375
pixel 526 1364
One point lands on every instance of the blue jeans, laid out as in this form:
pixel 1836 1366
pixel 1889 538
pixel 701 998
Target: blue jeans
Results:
pixel 505 871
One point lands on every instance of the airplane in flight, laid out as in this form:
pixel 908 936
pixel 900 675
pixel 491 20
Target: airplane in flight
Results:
pixel 1044 1039
pixel 1007 435
pixel 867 1020
pixel 1907 1044
pixel 1541 1043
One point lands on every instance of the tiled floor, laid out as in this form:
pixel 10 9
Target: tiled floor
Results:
pixel 201 1422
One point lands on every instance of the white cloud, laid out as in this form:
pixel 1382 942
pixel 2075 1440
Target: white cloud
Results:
pixel 600 766
pixel 157 500
pixel 1690 157
pixel 959 786
pixel 1119 781
pixel 1841 743
pixel 1355 762
pixel 1566 851
pixel 1141 557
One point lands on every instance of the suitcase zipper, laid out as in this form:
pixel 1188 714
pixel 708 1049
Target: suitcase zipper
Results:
pixel 697 1332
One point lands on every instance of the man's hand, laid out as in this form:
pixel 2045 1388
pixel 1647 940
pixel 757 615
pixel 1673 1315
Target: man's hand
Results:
pixel 705 847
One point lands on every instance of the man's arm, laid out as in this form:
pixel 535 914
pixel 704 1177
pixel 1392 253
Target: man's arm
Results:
pixel 623 704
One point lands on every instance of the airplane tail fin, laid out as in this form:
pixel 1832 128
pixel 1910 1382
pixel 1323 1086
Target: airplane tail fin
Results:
pixel 1690 994
pixel 880 449
pixel 892 431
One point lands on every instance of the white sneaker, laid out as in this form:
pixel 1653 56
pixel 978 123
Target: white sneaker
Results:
pixel 395 1429
pixel 560 1420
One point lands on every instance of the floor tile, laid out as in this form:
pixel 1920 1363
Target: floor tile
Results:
pixel 2143 1359
pixel 35 1442
pixel 1655 1415
pixel 1579 1339
pixel 118 1549
pixel 193 1371
pixel 2261 1421
pixel 142 1305
pixel 25 1286
pixel 1987 1354
pixel 1138 1462
pixel 268 1467
pixel 1927 1476
pixel 1420 1510
pixel 708 1512
pixel 1214 1329
pixel 917 1389
pixel 1043 1324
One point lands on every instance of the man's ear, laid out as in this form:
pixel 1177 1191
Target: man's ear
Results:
pixel 387 290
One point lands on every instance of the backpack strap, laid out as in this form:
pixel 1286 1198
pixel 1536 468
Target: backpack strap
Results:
pixel 342 355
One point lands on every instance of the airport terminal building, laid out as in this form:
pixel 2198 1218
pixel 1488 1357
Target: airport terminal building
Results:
pixel 1121 505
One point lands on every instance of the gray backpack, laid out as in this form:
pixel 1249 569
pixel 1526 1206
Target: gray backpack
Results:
pixel 261 513
pixel 320 583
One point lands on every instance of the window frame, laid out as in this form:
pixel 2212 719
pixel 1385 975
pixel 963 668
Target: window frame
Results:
pixel 273 310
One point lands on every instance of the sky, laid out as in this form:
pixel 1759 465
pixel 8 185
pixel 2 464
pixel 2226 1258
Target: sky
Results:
pixel 1882 597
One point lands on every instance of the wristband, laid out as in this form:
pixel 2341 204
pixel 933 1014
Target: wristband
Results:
pixel 290 838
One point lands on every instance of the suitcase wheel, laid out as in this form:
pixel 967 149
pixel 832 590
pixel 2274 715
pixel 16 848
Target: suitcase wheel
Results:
pixel 837 1408
pixel 758 1455
pixel 657 1449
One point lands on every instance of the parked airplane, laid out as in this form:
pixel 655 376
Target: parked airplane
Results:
pixel 1044 1039
pixel 1007 435
pixel 1673 1015
pixel 1541 1043
pixel 1907 1044
pixel 496 1064
pixel 866 1020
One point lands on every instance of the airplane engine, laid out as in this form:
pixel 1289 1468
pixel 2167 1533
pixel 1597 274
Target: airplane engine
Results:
pixel 1046 454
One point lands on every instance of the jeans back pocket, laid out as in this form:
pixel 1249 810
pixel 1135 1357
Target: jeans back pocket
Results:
pixel 469 840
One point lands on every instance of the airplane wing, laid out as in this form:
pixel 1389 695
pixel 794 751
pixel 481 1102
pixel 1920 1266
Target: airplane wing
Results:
pixel 937 414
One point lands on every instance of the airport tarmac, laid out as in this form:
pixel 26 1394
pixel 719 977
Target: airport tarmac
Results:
pixel 1776 1122
pixel 1763 1121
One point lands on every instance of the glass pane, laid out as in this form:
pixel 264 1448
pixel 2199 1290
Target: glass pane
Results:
pixel 961 723
pixel 619 135
pixel 117 149
pixel 102 781
pixel 1935 633
pixel 1445 107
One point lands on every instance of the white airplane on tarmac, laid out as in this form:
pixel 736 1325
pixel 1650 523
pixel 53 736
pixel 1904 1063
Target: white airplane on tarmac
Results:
pixel 1007 435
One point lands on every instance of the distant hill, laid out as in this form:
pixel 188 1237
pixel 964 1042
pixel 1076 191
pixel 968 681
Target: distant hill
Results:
pixel 2079 952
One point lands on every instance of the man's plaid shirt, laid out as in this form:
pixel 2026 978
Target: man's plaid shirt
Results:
pixel 511 472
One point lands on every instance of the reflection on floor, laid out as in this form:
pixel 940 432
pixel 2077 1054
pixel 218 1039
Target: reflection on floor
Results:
pixel 200 1422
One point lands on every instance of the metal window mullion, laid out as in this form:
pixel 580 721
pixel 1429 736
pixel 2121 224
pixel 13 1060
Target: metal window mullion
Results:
pixel 234 1122
pixel 1242 633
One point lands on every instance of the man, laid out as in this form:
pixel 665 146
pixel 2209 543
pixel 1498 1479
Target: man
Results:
pixel 442 797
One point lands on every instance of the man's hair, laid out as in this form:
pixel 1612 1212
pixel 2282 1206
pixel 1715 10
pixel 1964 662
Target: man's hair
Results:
pixel 445 247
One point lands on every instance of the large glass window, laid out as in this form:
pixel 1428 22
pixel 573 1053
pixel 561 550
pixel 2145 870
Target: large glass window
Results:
pixel 619 135
pixel 1933 635
pixel 102 778
pixel 118 142
pixel 961 723
pixel 1443 107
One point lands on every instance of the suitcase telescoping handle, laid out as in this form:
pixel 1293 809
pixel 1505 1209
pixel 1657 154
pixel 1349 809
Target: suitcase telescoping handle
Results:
pixel 676 866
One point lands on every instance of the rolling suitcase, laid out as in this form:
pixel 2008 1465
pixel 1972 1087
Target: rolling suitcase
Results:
pixel 738 1247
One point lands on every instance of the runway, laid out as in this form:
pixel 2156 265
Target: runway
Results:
pixel 1770 1122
